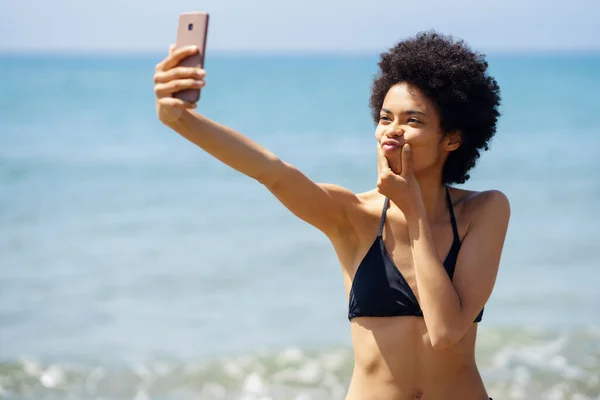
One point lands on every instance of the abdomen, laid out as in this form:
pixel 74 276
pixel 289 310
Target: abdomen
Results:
pixel 394 360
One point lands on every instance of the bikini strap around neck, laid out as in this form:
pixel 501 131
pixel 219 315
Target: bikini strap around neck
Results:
pixel 383 214
pixel 452 217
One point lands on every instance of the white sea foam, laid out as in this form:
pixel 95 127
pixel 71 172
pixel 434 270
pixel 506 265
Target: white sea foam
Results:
pixel 527 364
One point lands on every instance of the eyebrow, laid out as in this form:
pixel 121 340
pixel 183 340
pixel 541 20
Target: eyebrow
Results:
pixel 409 112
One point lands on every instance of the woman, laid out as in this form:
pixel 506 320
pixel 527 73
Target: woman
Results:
pixel 419 258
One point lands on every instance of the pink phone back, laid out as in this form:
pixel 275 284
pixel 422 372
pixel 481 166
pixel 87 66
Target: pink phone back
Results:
pixel 192 30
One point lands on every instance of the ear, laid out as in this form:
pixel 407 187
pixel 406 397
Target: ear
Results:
pixel 452 140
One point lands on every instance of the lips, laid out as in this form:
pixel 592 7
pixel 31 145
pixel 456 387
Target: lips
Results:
pixel 390 144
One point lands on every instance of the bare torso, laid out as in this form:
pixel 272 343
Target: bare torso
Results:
pixel 394 360
pixel 393 356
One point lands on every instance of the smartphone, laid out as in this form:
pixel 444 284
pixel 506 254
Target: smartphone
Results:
pixel 192 30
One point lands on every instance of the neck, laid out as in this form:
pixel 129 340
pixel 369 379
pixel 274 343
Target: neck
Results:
pixel 433 193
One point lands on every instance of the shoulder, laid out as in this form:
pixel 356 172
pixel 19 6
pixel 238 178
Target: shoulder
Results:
pixel 337 190
pixel 367 214
pixel 488 207
pixel 355 206
pixel 372 196
pixel 488 201
pixel 361 213
pixel 362 201
pixel 360 208
pixel 371 202
pixel 343 197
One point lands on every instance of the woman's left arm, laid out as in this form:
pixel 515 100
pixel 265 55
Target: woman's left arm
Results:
pixel 449 306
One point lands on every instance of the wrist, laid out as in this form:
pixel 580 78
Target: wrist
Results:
pixel 178 121
pixel 415 215
pixel 414 210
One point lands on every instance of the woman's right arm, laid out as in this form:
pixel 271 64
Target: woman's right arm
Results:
pixel 321 205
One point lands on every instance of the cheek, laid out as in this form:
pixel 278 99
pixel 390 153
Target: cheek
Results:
pixel 425 155
pixel 420 136
pixel 425 140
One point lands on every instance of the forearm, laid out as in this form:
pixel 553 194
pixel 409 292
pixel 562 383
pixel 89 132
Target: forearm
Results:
pixel 228 146
pixel 439 300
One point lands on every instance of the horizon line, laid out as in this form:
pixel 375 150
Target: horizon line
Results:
pixel 280 51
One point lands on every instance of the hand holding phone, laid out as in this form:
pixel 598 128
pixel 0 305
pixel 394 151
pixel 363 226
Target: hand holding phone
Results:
pixel 192 31
pixel 179 77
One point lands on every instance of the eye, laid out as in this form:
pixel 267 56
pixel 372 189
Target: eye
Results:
pixel 384 118
pixel 414 121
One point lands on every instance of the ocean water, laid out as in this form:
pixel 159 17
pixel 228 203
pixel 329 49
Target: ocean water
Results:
pixel 134 266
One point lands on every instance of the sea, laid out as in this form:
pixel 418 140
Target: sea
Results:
pixel 135 266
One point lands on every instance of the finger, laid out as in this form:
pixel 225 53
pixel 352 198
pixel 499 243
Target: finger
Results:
pixel 398 163
pixel 382 162
pixel 407 160
pixel 179 73
pixel 167 89
pixel 171 48
pixel 173 59
pixel 176 103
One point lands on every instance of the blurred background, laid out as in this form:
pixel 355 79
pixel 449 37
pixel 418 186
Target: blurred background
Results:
pixel 134 266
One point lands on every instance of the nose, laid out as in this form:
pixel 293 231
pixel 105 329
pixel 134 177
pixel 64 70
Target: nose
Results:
pixel 394 133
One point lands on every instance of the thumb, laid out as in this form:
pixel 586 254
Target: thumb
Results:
pixel 399 163
pixel 382 161
pixel 407 160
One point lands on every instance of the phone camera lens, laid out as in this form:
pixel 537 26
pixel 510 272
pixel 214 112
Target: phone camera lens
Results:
pixel 190 27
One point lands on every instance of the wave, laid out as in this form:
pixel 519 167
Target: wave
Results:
pixel 515 364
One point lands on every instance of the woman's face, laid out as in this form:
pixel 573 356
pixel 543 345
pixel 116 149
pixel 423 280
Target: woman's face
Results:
pixel 408 116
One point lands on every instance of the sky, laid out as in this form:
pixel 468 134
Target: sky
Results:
pixel 298 25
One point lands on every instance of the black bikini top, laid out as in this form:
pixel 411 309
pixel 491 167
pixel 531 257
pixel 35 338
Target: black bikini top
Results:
pixel 380 290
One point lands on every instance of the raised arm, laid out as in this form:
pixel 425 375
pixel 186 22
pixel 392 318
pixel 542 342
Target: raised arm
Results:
pixel 321 205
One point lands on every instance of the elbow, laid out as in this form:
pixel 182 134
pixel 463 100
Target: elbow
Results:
pixel 443 339
pixel 272 173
